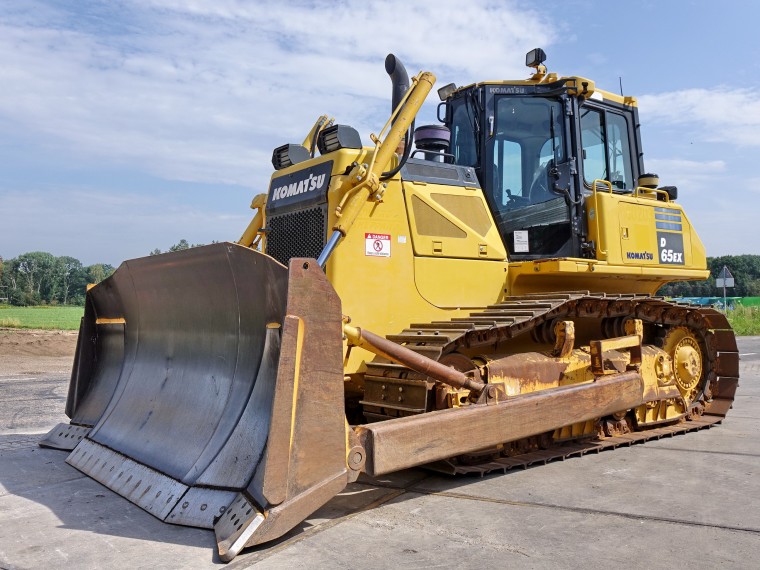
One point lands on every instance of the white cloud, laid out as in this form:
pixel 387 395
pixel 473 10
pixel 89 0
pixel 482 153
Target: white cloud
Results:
pixel 202 91
pixel 688 175
pixel 720 114
pixel 194 90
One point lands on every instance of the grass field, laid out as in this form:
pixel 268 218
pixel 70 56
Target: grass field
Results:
pixel 60 317
pixel 744 320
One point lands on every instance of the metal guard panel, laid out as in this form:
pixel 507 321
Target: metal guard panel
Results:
pixel 195 339
pixel 418 170
pixel 219 391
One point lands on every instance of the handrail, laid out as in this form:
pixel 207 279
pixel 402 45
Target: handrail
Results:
pixel 600 249
pixel 606 183
pixel 310 142
pixel 252 236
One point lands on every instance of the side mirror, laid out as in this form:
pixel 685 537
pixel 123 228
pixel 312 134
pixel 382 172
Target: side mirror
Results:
pixel 445 117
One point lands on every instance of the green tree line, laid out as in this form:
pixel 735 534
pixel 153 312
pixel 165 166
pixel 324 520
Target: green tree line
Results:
pixel 38 278
pixel 744 268
pixel 179 246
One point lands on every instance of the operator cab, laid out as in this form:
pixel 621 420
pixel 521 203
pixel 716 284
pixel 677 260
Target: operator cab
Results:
pixel 537 146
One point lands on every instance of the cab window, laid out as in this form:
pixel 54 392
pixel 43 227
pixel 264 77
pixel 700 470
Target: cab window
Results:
pixel 526 147
pixel 606 148
pixel 463 128
pixel 527 141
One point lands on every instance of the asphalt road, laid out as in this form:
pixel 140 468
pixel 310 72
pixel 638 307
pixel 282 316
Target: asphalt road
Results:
pixel 687 501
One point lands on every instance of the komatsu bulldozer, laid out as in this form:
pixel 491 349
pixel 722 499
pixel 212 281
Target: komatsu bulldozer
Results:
pixel 468 296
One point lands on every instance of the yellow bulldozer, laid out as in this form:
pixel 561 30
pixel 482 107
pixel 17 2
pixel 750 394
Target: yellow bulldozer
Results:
pixel 482 301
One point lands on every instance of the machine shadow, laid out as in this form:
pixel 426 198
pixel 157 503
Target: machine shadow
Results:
pixel 42 476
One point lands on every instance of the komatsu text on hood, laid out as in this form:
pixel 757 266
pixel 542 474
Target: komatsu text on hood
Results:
pixel 303 188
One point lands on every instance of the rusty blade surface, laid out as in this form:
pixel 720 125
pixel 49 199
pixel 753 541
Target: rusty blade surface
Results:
pixel 214 380
pixel 184 370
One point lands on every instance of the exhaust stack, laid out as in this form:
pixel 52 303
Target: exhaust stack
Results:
pixel 399 78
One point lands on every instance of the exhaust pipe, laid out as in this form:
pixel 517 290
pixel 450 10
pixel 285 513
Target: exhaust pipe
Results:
pixel 399 78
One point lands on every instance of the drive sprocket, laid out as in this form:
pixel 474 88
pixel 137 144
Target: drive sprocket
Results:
pixel 688 362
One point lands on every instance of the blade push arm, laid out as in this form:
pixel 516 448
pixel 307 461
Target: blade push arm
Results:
pixel 365 179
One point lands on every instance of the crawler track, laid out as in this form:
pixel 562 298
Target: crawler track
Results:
pixel 494 326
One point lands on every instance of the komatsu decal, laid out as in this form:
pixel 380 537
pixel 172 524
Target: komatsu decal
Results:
pixel 640 255
pixel 300 189
pixel 512 90
pixel 310 184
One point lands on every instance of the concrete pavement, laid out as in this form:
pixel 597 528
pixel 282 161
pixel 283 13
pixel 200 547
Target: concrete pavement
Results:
pixel 691 500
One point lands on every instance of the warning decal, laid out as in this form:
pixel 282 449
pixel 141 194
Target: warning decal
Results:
pixel 377 245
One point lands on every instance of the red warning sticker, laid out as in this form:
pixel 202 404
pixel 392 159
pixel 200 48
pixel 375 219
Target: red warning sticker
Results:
pixel 377 245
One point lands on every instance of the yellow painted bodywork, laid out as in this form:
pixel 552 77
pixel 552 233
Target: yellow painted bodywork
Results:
pixel 578 86
pixel 624 229
pixel 530 372
pixel 415 283
pixel 252 234
pixel 446 256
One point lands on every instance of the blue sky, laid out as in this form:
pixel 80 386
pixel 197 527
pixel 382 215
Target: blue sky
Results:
pixel 129 125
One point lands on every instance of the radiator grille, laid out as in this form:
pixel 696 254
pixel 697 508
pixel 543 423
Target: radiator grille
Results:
pixel 296 234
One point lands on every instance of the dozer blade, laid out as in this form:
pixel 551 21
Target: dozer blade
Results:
pixel 208 389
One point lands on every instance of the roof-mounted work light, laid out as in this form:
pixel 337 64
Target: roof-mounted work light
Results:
pixel 535 57
pixel 288 155
pixel 445 91
pixel 338 137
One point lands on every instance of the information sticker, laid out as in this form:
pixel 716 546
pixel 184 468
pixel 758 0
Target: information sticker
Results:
pixel 521 241
pixel 377 245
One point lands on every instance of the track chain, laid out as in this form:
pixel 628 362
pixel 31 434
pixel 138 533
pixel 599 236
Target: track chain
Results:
pixel 515 316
